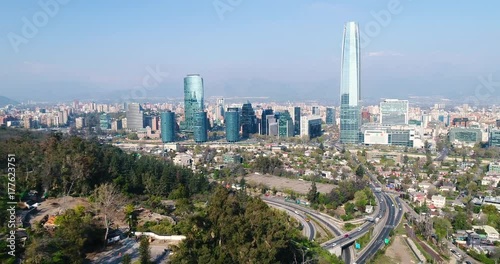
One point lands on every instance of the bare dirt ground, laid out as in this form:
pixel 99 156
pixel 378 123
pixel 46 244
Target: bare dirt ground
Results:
pixel 282 183
pixel 55 206
pixel 399 252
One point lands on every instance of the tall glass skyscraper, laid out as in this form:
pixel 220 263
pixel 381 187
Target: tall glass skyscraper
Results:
pixel 296 120
pixel 232 121
pixel 285 125
pixel 167 127
pixel 135 116
pixel 350 108
pixel 200 127
pixel 330 116
pixel 193 99
pixel 248 120
pixel 264 122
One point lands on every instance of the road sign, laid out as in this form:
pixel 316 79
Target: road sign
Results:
pixel 386 241
pixel 358 246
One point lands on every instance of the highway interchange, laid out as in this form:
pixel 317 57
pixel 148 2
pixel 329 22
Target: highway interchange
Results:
pixel 390 213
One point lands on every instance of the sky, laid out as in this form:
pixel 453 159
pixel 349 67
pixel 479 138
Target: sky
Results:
pixel 280 48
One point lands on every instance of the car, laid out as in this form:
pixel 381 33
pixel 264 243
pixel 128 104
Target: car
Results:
pixel 359 228
pixel 399 208
pixel 346 235
pixel 468 262
pixel 453 251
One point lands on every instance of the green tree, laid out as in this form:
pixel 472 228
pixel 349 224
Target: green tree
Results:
pixel 126 259
pixel 460 221
pixel 442 227
pixel 313 194
pixel 360 200
pixel 144 251
pixel 360 171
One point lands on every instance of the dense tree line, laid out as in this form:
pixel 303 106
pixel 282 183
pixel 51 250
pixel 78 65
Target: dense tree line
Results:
pixel 344 193
pixel 71 165
pixel 268 165
pixel 235 228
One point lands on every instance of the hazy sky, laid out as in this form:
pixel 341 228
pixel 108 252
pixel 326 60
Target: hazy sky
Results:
pixel 293 46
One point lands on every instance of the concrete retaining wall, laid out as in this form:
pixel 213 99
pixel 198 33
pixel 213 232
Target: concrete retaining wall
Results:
pixel 158 237
pixel 415 250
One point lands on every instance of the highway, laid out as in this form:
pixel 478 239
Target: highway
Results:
pixel 313 214
pixel 309 229
pixel 392 220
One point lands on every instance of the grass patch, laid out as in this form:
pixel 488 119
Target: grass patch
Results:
pixel 365 239
pixel 320 238
pixel 349 226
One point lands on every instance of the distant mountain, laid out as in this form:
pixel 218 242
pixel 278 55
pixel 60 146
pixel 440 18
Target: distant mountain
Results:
pixel 6 101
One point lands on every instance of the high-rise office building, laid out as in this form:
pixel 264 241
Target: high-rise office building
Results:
pixel 263 121
pixel 494 138
pixel 79 122
pixel 330 116
pixel 193 99
pixel 394 112
pixel 285 125
pixel 248 120
pixel 310 127
pixel 219 109
pixel 167 120
pixel 200 127
pixel 135 116
pixel 104 121
pixel 232 121
pixel 296 120
pixel 497 122
pixel 350 91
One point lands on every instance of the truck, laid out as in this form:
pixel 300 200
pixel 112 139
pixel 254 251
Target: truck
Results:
pixel 378 189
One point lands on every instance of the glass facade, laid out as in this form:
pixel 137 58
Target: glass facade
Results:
pixel 135 116
pixel 193 99
pixel 330 116
pixel 314 128
pixel 232 121
pixel 494 140
pixel 465 135
pixel 168 126
pixel 285 125
pixel 248 120
pixel 350 109
pixel 296 119
pixel 263 121
pixel 104 122
pixel 200 127
pixel 394 112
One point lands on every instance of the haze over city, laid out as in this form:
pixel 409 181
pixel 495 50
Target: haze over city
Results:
pixel 286 50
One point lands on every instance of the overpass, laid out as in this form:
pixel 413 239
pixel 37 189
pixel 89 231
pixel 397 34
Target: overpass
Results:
pixel 320 218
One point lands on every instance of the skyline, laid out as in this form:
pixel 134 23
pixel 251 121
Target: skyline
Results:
pixel 292 53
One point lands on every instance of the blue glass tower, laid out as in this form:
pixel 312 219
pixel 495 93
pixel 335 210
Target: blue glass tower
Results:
pixel 263 120
pixel 168 126
pixel 200 127
pixel 350 108
pixel 193 99
pixel 232 120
